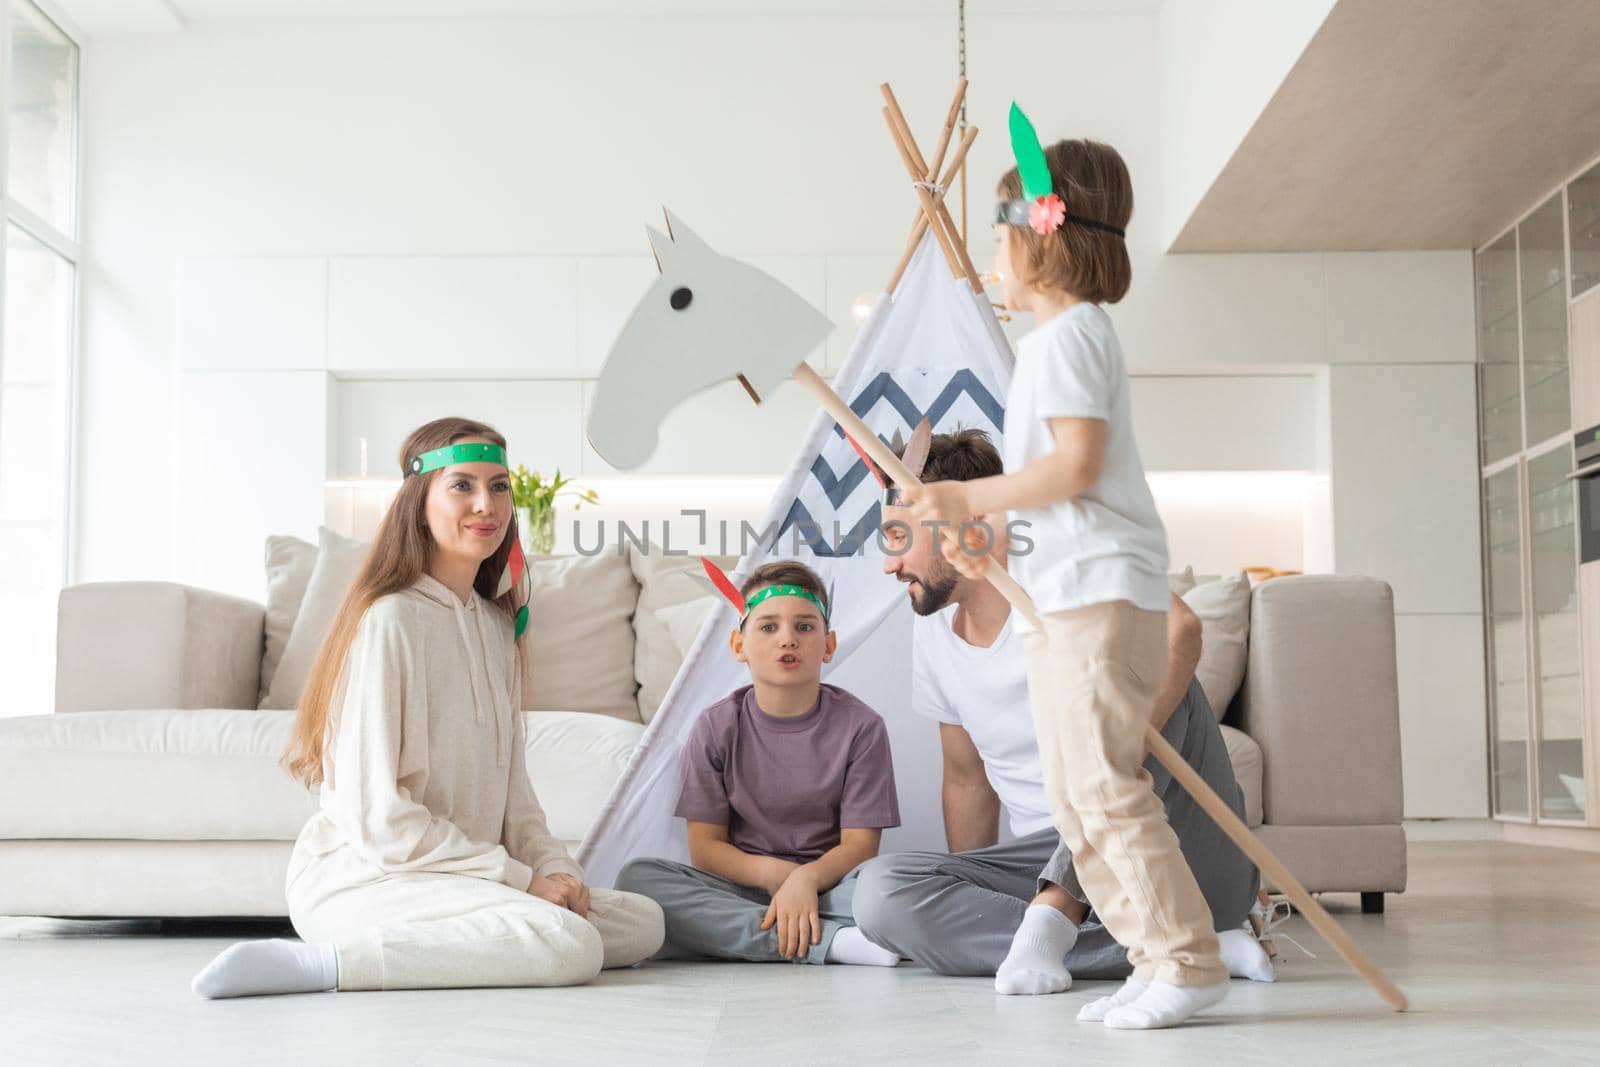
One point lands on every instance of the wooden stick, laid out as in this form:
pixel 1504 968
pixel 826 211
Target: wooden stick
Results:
pixel 949 127
pixel 1273 868
pixel 933 207
pixel 1204 795
pixel 930 207
pixel 963 201
pixel 893 105
pixel 919 167
pixel 919 222
pixel 938 217
pixel 919 225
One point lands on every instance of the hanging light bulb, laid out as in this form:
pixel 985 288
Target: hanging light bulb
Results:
pixel 862 306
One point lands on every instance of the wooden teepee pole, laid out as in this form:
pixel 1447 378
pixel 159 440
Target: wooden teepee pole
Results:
pixel 950 119
pixel 957 162
pixel 917 167
pixel 929 186
pixel 929 204
pixel 919 220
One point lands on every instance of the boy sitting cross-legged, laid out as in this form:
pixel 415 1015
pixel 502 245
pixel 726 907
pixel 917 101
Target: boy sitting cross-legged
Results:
pixel 787 787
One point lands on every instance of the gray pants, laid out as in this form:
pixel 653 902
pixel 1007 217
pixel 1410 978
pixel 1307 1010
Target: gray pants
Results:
pixel 709 917
pixel 956 914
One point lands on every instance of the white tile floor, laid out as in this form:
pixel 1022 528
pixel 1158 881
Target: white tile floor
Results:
pixel 1497 945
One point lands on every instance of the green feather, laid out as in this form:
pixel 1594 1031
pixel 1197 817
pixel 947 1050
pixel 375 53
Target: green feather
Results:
pixel 1032 168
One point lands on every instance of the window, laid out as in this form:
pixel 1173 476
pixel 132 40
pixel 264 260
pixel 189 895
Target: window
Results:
pixel 38 306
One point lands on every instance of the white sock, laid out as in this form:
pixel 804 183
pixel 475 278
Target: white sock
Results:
pixel 1162 1005
pixel 1095 1011
pixel 259 968
pixel 1244 957
pixel 850 945
pixel 1036 963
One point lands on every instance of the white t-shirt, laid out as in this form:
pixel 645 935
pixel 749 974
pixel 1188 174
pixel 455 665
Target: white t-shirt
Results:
pixel 1107 543
pixel 985 691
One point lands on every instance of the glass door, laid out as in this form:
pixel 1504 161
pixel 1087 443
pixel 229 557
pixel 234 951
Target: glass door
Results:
pixel 1499 351
pixel 1583 223
pixel 1508 679
pixel 1542 273
pixel 38 313
pixel 1559 681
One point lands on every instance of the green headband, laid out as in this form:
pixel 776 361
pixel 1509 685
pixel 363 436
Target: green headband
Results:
pixel 782 590
pixel 471 452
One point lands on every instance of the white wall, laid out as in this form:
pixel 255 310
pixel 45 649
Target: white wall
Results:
pixel 299 234
pixel 1221 62
pixel 488 138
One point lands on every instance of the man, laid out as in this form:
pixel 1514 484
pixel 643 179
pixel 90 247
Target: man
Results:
pixel 1015 910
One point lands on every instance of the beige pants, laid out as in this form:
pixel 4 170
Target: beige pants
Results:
pixel 1093 675
pixel 443 931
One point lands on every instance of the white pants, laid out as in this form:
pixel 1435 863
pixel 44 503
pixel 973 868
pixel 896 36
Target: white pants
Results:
pixel 440 931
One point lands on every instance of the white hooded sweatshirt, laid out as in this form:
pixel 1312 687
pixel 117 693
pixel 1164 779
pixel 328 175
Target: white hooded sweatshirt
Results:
pixel 425 767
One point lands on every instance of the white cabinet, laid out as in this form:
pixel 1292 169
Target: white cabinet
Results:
pixel 1389 423
pixel 473 316
pixel 720 433
pixel 1235 423
pixel 540 419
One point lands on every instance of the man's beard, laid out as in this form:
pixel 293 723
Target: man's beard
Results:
pixel 936 590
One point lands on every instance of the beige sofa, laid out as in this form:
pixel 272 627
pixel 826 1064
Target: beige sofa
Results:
pixel 155 789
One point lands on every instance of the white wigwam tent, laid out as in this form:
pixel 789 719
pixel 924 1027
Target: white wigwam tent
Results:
pixel 930 348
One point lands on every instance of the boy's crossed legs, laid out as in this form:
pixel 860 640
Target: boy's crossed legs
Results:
pixel 710 917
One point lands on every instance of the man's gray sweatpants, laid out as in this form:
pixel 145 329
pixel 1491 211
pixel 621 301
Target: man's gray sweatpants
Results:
pixel 956 914
pixel 709 917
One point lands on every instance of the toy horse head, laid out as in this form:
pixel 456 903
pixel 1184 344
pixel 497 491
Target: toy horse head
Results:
pixel 706 320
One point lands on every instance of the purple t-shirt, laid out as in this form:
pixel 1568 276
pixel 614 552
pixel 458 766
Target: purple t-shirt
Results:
pixel 785 787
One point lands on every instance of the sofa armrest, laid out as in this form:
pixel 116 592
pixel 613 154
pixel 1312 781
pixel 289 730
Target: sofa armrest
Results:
pixel 130 645
pixel 1321 698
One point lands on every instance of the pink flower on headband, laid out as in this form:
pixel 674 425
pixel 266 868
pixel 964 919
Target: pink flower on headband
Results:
pixel 1047 213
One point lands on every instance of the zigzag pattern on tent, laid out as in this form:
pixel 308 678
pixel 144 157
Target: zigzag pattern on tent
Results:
pixel 882 387
pixel 962 383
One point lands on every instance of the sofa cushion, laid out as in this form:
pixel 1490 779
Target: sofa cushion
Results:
pixel 338 562
pixel 574 760
pixel 1248 765
pixel 158 775
pixel 684 621
pixel 664 582
pixel 1223 607
pixel 290 562
pixel 580 634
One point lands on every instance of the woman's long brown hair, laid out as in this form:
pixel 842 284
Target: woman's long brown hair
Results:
pixel 397 558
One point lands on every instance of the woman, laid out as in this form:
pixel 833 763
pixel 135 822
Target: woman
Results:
pixel 430 864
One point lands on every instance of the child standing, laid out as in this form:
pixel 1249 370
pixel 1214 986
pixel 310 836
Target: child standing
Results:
pixel 1097 570
pixel 787 788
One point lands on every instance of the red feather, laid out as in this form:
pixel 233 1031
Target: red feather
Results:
pixel 516 565
pixel 883 482
pixel 724 585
